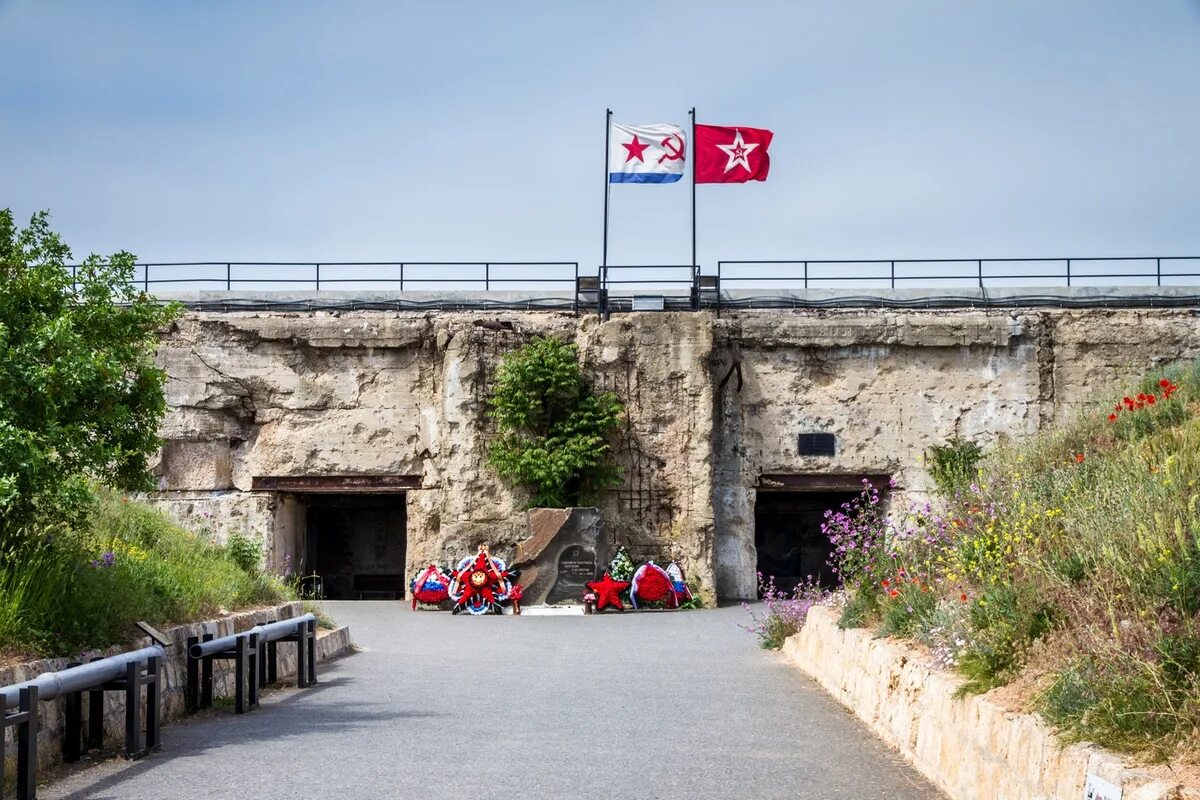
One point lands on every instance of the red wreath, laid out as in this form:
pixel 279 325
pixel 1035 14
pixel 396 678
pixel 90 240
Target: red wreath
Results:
pixel 651 584
pixel 608 592
pixel 429 586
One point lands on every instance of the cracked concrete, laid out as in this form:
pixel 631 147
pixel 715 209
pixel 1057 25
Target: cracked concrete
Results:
pixel 713 404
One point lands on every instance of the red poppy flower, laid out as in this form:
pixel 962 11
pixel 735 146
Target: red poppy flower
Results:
pixel 1128 401
pixel 1079 458
pixel 885 583
pixel 894 593
pixel 1112 417
pixel 963 597
pixel 1150 400
pixel 1164 383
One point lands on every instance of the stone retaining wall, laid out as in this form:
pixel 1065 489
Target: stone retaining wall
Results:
pixel 330 645
pixel 971 748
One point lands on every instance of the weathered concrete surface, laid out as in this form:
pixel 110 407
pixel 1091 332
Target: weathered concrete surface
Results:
pixel 670 706
pixel 404 393
pixel 52 715
pixel 970 747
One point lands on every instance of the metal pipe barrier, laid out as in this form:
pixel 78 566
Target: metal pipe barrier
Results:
pixel 254 654
pixel 127 672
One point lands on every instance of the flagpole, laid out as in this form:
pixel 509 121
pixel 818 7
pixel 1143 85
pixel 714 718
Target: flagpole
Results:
pixel 693 115
pixel 607 133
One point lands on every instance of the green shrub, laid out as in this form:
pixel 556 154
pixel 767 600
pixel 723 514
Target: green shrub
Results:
pixel 906 609
pixel 86 588
pixel 1122 702
pixel 1004 620
pixel 553 438
pixel 80 395
pixel 245 552
pixel 953 465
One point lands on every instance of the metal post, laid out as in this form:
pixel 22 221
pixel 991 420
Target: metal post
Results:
pixel 893 274
pixel 607 184
pixel 1068 272
pixel 73 726
pixel 311 634
pixel 206 677
pixel 146 279
pixel 692 113
pixel 261 657
pixel 402 277
pixel 95 723
pixel 272 662
pixel 487 269
pixel 301 656
pixel 805 274
pixel 318 277
pixel 1158 272
pixel 153 703
pixel 133 715
pixel 253 677
pixel 191 692
pixel 27 735
pixel 95 731
pixel 979 268
pixel 602 304
pixel 239 678
pixel 718 290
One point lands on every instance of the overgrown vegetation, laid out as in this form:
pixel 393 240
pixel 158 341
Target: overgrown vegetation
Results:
pixel 953 465
pixel 86 586
pixel 784 612
pixel 554 431
pixel 1071 559
pixel 80 404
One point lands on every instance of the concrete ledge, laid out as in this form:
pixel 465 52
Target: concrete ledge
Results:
pixel 970 748
pixel 52 715
pixel 334 644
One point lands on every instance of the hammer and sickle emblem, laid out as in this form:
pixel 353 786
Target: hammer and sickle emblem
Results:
pixel 674 151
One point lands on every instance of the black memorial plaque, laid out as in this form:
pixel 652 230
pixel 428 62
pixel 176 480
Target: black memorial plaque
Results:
pixel 576 566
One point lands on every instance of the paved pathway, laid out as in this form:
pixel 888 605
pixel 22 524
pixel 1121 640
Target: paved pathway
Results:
pixel 656 705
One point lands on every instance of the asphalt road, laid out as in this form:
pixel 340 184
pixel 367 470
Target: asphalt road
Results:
pixel 651 705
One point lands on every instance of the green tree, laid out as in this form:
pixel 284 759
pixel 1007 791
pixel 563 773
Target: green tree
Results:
pixel 553 430
pixel 80 396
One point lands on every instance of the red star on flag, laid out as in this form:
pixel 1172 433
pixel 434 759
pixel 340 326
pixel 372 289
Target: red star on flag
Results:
pixel 635 149
pixel 732 155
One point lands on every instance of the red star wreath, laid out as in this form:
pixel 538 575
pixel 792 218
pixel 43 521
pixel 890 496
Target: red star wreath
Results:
pixel 608 592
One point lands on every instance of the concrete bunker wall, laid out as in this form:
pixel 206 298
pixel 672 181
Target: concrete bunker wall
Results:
pixel 325 393
pixel 257 395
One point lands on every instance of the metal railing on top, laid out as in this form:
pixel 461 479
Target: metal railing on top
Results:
pixel 673 287
pixel 982 272
pixel 315 276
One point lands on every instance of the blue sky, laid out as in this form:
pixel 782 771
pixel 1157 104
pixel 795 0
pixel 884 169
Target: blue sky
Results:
pixel 448 130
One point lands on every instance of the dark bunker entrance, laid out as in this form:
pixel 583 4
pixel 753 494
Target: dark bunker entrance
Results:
pixel 788 513
pixel 356 544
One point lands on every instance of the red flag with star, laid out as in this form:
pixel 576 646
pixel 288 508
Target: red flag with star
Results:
pixel 731 154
